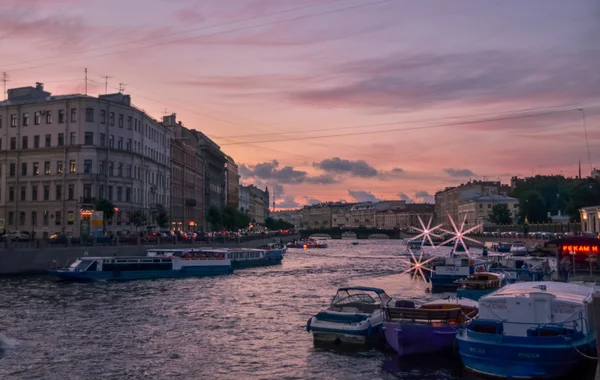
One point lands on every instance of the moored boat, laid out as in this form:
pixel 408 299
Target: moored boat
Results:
pixel 454 268
pixel 518 248
pixel 530 330
pixel 432 327
pixel 188 264
pixel 355 316
pixel 479 284
pixel 503 247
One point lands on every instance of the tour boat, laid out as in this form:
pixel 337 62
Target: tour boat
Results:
pixel 530 330
pixel 479 284
pixel 355 316
pixel 454 268
pixel 432 327
pixel 518 248
pixel 239 257
pixel 190 264
pixel 308 243
pixel 275 247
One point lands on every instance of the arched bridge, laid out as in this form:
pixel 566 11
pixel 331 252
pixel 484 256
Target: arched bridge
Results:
pixel 361 233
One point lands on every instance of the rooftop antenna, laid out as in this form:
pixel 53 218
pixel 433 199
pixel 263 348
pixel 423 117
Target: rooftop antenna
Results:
pixel 579 169
pixel 86 80
pixel 165 112
pixel 106 78
pixel 4 80
pixel 122 87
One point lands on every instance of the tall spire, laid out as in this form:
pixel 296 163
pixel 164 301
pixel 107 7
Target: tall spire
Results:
pixel 579 169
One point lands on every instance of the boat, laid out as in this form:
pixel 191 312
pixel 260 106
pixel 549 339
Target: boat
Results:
pixel 321 244
pixel 479 284
pixel 187 264
pixel 247 257
pixel 355 317
pixel 519 269
pixel 454 268
pixel 518 248
pixel 503 247
pixel 530 330
pixel 274 246
pixel 432 327
pixel 307 243
pixel 354 243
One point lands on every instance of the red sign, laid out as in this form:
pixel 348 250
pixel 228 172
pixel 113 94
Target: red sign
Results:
pixel 580 248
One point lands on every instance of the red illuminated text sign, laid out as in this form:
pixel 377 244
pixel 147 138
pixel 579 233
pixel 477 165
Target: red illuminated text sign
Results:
pixel 580 248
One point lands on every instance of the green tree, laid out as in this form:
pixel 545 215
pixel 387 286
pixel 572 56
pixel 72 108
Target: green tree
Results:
pixel 277 224
pixel 108 210
pixel 162 218
pixel 533 208
pixel 138 218
pixel 500 214
pixel 584 194
pixel 214 218
pixel 244 220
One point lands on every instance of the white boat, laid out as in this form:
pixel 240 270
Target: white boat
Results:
pixel 355 316
pixel 518 249
pixel 530 330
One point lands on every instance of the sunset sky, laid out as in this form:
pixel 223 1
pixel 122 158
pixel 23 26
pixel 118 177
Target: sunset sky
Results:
pixel 327 100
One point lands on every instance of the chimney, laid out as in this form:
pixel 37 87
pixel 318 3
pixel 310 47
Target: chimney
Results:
pixel 39 86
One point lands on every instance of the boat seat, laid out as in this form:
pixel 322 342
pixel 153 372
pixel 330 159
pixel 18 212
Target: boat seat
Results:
pixel 397 313
pixel 332 316
pixel 359 307
pixel 405 304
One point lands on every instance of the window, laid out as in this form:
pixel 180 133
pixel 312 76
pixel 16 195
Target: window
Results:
pixel 47 167
pixel 489 205
pixel 13 143
pixel 12 170
pixel 59 167
pixel 110 168
pixel 21 218
pixel 120 120
pixel 128 146
pixel 36 141
pixel 57 218
pixel 516 205
pixel 34 192
pixel 36 168
pixel 23 193
pixel 120 170
pixel 13 120
pixel 87 191
pixel 129 122
pixel 110 198
pixel 61 116
pixel 11 218
pixel 111 141
pixel 11 194
pixel 72 166
pixel 34 218
pixel 120 143
pixel 71 192
pixel 48 117
pixel 128 171
pixel 71 218
pixel 102 139
pixel 23 168
pixel 45 219
pixel 73 115
pixel 25 143
pixel 101 167
pixel 87 166
pixel 58 192
pixel 119 193
pixel 48 141
pixel 61 139
pixel 100 191
pixel 89 115
pixel 37 118
pixel 128 194
pixel 0 122
pixel 73 138
pixel 46 192
pixel 102 117
pixel 26 119
pixel 111 119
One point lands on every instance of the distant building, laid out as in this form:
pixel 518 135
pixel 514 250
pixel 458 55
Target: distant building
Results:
pixel 257 199
pixel 478 210
pixel 363 215
pixel 325 215
pixel 291 216
pixel 590 219
pixel 232 183
pixel 244 205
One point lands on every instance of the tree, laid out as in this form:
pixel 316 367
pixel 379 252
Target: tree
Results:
pixel 138 218
pixel 277 224
pixel 214 218
pixel 162 218
pixel 108 210
pixel 500 214
pixel 582 195
pixel 533 208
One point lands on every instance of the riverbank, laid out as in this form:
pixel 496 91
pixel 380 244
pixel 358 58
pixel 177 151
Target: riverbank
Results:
pixel 19 261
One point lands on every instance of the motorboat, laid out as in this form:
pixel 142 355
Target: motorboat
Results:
pixel 354 243
pixel 307 244
pixel 431 327
pixel 530 330
pixel 274 247
pixel 518 248
pixel 453 268
pixel 479 284
pixel 355 316
pixel 189 264
pixel 503 247
pixel 519 269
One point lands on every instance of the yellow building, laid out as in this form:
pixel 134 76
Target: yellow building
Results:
pixel 478 210
pixel 590 219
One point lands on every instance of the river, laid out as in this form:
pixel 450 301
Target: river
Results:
pixel 249 325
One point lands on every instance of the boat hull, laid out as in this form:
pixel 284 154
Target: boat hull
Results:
pixel 441 282
pixel 347 336
pixel 264 261
pixel 411 339
pixel 526 361
pixel 140 275
pixel 473 294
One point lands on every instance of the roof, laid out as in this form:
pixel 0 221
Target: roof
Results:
pixel 365 288
pixel 6 103
pixel 453 301
pixel 495 199
pixel 562 291
pixel 420 207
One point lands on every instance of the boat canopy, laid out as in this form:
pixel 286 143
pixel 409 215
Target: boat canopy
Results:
pixel 365 288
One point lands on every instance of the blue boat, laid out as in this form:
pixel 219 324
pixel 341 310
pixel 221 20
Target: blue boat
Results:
pixel 246 258
pixel 504 247
pixel 530 330
pixel 480 284
pixel 190 264
pixel 454 268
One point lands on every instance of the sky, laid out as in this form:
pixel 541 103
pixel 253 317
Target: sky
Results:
pixel 327 100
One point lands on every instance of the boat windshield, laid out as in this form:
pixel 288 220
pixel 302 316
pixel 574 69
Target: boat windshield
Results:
pixel 358 296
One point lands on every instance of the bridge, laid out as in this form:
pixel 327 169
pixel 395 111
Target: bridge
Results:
pixel 361 233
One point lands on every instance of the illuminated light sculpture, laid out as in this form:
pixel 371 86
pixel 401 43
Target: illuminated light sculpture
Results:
pixel 426 231
pixel 417 265
pixel 460 235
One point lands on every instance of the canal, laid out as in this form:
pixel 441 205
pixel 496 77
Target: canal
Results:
pixel 250 325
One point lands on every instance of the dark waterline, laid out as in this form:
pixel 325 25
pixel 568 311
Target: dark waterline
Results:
pixel 247 325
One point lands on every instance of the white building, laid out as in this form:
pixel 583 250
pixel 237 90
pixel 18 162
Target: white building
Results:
pixel 63 153
pixel 590 219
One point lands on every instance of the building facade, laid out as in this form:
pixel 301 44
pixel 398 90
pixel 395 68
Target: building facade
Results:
pixel 187 181
pixel 63 153
pixel 214 171
pixel 244 200
pixel 590 219
pixel 363 215
pixel 232 183
pixel 477 210
pixel 290 216
pixel 256 204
